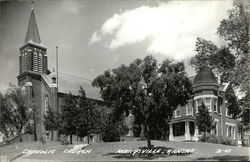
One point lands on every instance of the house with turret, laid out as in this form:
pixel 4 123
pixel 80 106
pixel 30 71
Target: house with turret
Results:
pixel 207 90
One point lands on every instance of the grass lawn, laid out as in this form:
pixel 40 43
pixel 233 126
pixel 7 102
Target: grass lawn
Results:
pixel 106 151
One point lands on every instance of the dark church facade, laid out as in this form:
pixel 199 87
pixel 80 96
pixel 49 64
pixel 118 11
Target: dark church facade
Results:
pixel 39 84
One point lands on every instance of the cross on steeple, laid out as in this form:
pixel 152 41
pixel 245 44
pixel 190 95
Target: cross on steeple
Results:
pixel 32 4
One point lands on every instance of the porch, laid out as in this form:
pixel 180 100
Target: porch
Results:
pixel 183 129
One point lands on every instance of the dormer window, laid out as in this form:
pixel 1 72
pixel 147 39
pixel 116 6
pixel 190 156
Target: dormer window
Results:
pixel 177 113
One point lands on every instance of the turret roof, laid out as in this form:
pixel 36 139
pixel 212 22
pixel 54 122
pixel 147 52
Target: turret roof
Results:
pixel 205 75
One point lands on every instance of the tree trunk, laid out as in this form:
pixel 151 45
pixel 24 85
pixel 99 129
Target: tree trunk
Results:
pixel 70 138
pixel 34 131
pixel 148 137
pixel 88 139
pixel 142 135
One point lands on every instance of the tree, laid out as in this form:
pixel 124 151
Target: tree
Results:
pixel 69 112
pixel 86 116
pixel 203 120
pixel 244 124
pixel 88 119
pixel 150 90
pixel 14 112
pixel 51 121
pixel 4 125
pixel 231 61
pixel 233 106
pixel 111 132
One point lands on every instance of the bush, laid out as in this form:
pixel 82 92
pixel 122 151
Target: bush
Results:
pixel 110 134
pixel 211 138
pixel 64 140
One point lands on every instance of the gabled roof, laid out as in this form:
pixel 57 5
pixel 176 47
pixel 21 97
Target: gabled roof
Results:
pixel 32 34
pixel 70 83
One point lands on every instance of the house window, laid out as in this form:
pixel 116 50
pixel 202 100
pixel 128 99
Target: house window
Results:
pixel 189 110
pixel 219 104
pixel 208 103
pixel 177 113
pixel 229 131
pixel 234 132
pixel 215 104
pixel 216 128
pixel 239 136
pixel 227 113
pixel 198 103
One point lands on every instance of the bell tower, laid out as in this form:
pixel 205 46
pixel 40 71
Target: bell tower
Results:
pixel 34 71
pixel 33 55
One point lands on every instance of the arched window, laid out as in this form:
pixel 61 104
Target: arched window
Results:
pixel 40 63
pixel 35 68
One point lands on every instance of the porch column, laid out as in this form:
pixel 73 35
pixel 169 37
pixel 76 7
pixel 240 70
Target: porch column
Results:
pixel 195 132
pixel 171 136
pixel 187 132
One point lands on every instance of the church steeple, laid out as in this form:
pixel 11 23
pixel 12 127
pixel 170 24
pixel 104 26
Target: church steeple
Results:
pixel 33 56
pixel 32 32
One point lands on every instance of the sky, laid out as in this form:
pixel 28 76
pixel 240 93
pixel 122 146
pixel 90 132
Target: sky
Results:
pixel 97 35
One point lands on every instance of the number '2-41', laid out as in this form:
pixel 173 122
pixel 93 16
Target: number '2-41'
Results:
pixel 221 150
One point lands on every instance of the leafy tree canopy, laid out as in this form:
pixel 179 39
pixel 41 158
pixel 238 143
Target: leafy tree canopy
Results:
pixel 231 60
pixel 151 90
pixel 14 112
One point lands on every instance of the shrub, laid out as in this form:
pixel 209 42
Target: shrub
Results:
pixel 42 139
pixel 64 140
pixel 211 138
pixel 110 134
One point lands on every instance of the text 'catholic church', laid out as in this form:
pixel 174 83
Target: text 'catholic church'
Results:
pixel 41 88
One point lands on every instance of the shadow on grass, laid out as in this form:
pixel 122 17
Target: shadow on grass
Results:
pixel 164 152
pixel 226 158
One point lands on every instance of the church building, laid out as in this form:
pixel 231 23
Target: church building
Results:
pixel 39 84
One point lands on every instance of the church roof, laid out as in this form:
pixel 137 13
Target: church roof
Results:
pixel 70 83
pixel 205 75
pixel 32 34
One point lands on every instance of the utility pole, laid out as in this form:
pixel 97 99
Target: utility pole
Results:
pixel 57 107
